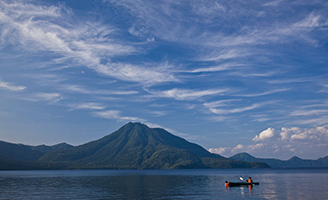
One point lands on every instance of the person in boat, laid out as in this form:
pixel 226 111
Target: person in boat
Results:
pixel 250 180
pixel 226 184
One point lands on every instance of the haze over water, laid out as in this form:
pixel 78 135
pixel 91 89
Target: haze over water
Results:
pixel 163 184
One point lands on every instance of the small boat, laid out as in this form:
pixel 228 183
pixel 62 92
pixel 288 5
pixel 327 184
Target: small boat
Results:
pixel 242 183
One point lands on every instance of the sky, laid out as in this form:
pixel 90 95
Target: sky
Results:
pixel 232 76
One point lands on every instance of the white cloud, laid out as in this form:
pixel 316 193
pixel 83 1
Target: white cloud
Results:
pixel 231 106
pixel 116 114
pixel 299 136
pixel 313 121
pixel 88 106
pixel 260 117
pixel 319 134
pixel 231 55
pixel 238 147
pixel 229 151
pixel 220 118
pixel 220 103
pixel 265 93
pixel 51 97
pixel 159 113
pixel 48 96
pixel 273 3
pixel 255 147
pixel 236 110
pixel 208 9
pixel 311 21
pixel 146 74
pixel 111 114
pixel 84 90
pixel 185 94
pixel 308 112
pixel 266 134
pixel 219 68
pixel 303 142
pixel 284 133
pixel 10 86
pixel 220 150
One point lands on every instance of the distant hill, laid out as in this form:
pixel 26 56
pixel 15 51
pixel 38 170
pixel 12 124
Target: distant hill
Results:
pixel 26 152
pixel 136 146
pixel 18 152
pixel 294 162
pixel 45 149
pixel 19 156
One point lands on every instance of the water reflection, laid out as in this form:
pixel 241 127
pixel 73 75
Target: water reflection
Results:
pixel 148 187
pixel 250 188
pixel 109 187
pixel 245 190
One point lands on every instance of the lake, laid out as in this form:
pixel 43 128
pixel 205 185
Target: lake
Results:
pixel 163 184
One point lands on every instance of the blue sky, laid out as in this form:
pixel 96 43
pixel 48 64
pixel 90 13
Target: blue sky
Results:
pixel 233 76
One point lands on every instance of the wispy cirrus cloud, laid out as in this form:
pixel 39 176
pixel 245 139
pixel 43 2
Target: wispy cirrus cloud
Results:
pixel 243 48
pixel 117 115
pixel 217 68
pixel 220 103
pixel 308 112
pixel 84 42
pixel 265 93
pixel 87 106
pixel 164 19
pixel 186 94
pixel 11 87
pixel 234 110
pixel 273 3
pixel 279 33
pixel 50 97
pixel 146 74
pixel 84 90
pixel 213 107
pixel 230 54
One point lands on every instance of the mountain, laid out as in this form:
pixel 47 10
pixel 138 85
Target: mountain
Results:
pixel 136 146
pixel 323 160
pixel 294 162
pixel 45 149
pixel 274 163
pixel 18 152
pixel 26 152
pixel 19 156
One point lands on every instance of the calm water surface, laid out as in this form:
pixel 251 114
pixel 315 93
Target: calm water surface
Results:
pixel 163 184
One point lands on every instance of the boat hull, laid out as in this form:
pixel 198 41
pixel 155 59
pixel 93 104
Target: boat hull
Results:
pixel 242 183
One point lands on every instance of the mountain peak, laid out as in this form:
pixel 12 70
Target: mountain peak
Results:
pixel 243 157
pixel 132 124
pixel 295 158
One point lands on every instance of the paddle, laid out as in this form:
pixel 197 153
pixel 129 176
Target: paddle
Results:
pixel 241 179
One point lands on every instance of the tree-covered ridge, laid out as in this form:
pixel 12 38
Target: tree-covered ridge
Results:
pixel 135 146
pixel 294 162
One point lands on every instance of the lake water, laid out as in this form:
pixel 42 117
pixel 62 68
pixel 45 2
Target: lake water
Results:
pixel 163 184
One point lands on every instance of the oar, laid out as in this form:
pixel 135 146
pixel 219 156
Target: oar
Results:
pixel 241 179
